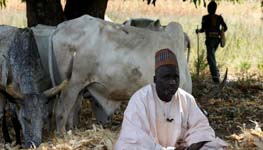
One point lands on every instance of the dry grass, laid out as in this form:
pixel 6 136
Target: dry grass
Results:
pixel 94 137
pixel 120 10
pixel 166 10
pixel 243 53
pixel 249 138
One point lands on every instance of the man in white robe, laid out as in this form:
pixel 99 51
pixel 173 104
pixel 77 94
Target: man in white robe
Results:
pixel 161 116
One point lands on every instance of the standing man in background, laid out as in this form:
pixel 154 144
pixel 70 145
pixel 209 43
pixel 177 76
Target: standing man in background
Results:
pixel 212 25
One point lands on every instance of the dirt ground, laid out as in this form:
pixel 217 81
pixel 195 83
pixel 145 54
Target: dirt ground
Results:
pixel 236 114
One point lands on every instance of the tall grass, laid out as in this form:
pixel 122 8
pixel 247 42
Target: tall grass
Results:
pixel 244 46
pixel 244 36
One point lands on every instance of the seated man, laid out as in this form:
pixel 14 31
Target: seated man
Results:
pixel 163 116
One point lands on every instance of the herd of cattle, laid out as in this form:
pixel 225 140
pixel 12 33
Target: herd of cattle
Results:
pixel 47 71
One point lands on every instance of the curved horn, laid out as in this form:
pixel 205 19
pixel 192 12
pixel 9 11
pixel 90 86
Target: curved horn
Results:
pixel 11 95
pixel 12 92
pixel 217 89
pixel 55 90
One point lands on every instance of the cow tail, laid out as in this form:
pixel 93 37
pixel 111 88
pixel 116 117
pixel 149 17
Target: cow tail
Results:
pixel 51 58
pixel 70 67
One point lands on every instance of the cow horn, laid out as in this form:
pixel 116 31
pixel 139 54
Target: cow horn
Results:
pixel 217 89
pixel 11 95
pixel 55 90
pixel 10 90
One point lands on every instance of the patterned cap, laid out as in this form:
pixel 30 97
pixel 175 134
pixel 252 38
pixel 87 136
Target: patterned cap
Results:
pixel 164 57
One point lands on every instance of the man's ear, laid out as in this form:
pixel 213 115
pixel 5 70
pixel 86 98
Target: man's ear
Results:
pixel 154 79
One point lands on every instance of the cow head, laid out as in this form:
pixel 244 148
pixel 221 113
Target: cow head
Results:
pixel 31 114
pixel 33 110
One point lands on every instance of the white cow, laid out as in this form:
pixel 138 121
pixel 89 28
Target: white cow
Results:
pixel 112 61
pixel 155 25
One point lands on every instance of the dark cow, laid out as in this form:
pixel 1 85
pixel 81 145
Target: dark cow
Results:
pixel 24 79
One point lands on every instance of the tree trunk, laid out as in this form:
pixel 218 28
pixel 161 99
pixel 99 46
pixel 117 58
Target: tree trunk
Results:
pixel 77 8
pixel 47 12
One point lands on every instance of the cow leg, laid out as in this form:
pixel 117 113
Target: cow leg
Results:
pixel 65 105
pixel 3 121
pixel 17 128
pixel 2 105
pixel 102 107
pixel 50 122
pixel 5 129
pixel 76 111
pixel 73 118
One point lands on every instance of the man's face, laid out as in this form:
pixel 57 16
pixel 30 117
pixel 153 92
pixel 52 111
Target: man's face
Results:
pixel 167 81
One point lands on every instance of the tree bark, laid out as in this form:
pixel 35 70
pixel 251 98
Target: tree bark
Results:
pixel 77 8
pixel 47 12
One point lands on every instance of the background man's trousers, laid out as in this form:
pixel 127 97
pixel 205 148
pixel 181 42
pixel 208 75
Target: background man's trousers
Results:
pixel 211 46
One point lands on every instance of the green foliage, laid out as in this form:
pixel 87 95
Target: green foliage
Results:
pixel 260 68
pixel 204 2
pixel 198 2
pixel 200 64
pixel 244 66
pixel 2 3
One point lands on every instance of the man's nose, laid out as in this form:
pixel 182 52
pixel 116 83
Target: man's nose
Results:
pixel 172 82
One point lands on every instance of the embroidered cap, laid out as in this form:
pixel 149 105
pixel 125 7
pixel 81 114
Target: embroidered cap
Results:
pixel 164 57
